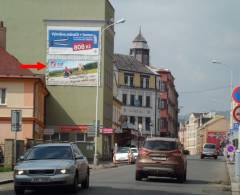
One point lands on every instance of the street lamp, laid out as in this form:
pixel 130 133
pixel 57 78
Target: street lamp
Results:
pixel 95 159
pixel 139 132
pixel 231 86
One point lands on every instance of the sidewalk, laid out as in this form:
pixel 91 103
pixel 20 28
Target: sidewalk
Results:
pixel 7 177
pixel 235 184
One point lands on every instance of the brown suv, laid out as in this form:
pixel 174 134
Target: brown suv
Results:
pixel 161 156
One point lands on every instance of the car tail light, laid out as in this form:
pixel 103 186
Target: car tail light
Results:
pixel 176 153
pixel 144 152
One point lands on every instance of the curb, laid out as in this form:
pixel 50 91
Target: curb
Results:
pixel 6 181
pixel 235 187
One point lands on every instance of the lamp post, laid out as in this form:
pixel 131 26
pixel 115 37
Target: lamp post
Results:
pixel 139 132
pixel 231 87
pixel 95 159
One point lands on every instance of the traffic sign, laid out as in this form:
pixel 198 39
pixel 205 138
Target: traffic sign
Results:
pixel 16 120
pixel 236 113
pixel 236 126
pixel 231 148
pixel 236 94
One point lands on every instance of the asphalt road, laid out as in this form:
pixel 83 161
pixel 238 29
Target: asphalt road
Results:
pixel 207 176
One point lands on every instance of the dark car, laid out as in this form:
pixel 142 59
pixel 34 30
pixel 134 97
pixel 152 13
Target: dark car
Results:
pixel 163 157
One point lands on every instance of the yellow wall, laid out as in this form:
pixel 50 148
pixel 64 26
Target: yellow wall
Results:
pixel 152 82
pixel 136 80
pixel 121 78
pixel 20 96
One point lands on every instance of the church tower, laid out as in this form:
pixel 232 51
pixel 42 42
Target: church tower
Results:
pixel 140 49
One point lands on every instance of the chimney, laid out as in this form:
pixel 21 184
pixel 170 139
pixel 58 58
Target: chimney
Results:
pixel 2 36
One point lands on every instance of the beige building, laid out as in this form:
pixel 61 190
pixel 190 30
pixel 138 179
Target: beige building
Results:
pixel 214 131
pixel 20 90
pixel 195 121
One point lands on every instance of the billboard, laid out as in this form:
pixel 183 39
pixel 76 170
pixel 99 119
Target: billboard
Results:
pixel 73 55
pixel 72 72
pixel 73 40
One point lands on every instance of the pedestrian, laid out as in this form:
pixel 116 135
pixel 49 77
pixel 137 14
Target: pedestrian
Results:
pixel 114 153
pixel 129 156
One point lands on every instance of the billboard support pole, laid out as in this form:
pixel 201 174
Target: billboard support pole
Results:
pixel 95 160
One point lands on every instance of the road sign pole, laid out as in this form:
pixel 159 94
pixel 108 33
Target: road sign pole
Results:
pixel 15 148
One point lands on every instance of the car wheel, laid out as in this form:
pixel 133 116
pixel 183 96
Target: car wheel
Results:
pixel 19 191
pixel 181 178
pixel 215 157
pixel 85 183
pixel 138 176
pixel 74 187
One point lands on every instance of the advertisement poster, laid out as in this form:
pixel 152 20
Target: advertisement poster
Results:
pixel 72 55
pixel 73 40
pixel 72 72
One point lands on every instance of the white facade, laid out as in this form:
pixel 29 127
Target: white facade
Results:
pixel 137 113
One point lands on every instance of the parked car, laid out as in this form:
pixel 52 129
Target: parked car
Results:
pixel 135 153
pixel 163 157
pixel 51 165
pixel 123 154
pixel 209 150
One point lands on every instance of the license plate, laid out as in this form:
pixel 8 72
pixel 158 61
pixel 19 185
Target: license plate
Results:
pixel 159 158
pixel 40 179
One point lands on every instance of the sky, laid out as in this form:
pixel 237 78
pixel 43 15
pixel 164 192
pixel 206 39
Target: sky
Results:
pixel 185 36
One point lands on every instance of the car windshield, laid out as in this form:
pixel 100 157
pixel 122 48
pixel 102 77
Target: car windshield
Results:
pixel 134 150
pixel 50 152
pixel 122 150
pixel 210 146
pixel 160 145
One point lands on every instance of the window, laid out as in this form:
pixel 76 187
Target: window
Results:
pixel 140 100
pixel 128 79
pixel 163 104
pixel 64 137
pixel 144 81
pixel 147 123
pixel 80 137
pixel 141 81
pixel 147 82
pixel 124 99
pixel 139 120
pixel 163 123
pixel 148 103
pixel 162 86
pixel 132 100
pixel 2 96
pixel 132 120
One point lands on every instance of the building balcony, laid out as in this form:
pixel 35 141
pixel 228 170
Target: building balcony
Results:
pixel 164 113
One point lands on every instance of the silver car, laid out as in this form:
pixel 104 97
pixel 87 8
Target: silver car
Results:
pixel 209 150
pixel 46 165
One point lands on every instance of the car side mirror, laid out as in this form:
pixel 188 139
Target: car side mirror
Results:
pixel 21 158
pixel 185 152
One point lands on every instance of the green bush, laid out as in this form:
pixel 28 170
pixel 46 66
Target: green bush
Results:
pixel 5 169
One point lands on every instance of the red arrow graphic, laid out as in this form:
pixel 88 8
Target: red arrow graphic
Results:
pixel 38 66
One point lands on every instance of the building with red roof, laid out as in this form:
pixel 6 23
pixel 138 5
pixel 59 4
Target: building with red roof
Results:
pixel 21 90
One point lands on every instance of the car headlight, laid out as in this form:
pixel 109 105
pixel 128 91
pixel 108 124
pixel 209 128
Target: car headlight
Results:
pixel 19 172
pixel 62 171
